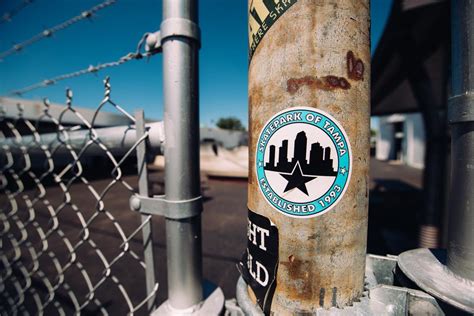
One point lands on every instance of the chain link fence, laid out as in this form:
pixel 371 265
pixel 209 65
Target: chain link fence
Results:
pixel 69 243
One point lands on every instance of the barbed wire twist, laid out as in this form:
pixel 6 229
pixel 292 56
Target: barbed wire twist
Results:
pixel 50 31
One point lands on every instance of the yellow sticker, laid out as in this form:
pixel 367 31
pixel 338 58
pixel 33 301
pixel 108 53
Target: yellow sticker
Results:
pixel 262 15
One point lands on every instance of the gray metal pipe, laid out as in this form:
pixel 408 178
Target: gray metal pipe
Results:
pixel 118 140
pixel 181 119
pixel 461 119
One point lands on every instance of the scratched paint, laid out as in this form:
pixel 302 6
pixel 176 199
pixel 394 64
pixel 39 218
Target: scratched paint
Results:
pixel 316 55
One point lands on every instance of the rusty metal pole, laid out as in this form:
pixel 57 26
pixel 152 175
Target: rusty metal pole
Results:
pixel 309 153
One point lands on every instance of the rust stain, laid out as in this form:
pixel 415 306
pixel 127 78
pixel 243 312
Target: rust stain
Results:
pixel 334 108
pixel 337 82
pixel 355 67
pixel 326 83
pixel 299 285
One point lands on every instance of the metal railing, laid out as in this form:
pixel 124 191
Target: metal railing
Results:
pixel 67 244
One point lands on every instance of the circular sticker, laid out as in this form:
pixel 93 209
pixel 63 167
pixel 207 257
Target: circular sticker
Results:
pixel 303 161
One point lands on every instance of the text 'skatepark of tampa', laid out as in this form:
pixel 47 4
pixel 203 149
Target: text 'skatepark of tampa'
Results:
pixel 303 162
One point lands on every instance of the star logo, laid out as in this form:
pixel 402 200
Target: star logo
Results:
pixel 343 170
pixel 297 180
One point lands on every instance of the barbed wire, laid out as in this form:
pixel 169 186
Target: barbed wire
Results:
pixel 91 69
pixel 50 31
pixel 7 16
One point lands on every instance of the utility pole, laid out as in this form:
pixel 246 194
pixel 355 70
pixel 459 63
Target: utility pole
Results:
pixel 309 108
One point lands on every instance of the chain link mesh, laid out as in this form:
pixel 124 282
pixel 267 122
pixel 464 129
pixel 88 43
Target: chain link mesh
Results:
pixel 69 244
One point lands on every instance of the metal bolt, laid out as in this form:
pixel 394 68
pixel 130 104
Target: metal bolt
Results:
pixel 135 203
pixel 152 41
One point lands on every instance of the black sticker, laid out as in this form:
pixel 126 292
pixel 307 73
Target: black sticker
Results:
pixel 259 262
pixel 262 15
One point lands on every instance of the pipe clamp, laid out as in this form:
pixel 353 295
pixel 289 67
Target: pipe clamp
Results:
pixel 173 27
pixel 159 205
pixel 180 27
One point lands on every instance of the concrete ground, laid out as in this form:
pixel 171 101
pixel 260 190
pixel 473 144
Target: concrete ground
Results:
pixel 395 205
pixel 395 201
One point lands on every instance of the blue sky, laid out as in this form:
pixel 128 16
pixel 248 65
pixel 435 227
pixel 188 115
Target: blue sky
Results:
pixel 115 31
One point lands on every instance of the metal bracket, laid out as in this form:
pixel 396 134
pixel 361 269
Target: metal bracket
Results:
pixel 159 205
pixel 173 27
pixel 460 108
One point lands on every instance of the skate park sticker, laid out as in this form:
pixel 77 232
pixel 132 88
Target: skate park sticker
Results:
pixel 303 162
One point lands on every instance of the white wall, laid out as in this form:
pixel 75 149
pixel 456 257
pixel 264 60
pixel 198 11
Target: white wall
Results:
pixel 384 139
pixel 414 151
pixel 413 145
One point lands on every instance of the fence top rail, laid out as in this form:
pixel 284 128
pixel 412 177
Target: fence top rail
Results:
pixel 32 109
pixel 118 139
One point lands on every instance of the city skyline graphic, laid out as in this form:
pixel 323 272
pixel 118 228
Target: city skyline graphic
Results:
pixel 320 162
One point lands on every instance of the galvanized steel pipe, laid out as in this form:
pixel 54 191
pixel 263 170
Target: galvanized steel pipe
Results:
pixel 117 139
pixel 181 120
pixel 309 79
pixel 461 117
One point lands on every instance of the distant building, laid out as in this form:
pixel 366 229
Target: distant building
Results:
pixel 401 138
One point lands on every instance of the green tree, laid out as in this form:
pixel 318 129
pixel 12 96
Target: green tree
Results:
pixel 231 123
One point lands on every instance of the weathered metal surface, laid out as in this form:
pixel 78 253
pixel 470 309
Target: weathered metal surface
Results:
pixel 316 55
pixel 380 296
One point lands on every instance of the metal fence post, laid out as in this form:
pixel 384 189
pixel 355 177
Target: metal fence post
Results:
pixel 309 80
pixel 143 189
pixel 182 178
